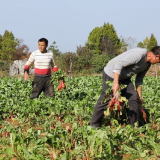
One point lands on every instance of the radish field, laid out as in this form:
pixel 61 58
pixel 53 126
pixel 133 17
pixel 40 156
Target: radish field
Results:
pixel 58 129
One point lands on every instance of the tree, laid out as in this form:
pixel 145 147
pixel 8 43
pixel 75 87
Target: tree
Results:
pixel 8 48
pixel 97 35
pixel 107 46
pixel 63 61
pixel 140 45
pixel 84 55
pixel 21 50
pixel 1 39
pixel 145 42
pixel 152 42
pixel 6 34
pixel 99 62
pixel 124 45
pixel 54 49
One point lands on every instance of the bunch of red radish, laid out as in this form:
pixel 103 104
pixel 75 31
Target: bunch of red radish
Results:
pixel 61 85
pixel 55 69
pixel 116 103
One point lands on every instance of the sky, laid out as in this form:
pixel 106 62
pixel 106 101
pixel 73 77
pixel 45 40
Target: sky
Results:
pixel 69 22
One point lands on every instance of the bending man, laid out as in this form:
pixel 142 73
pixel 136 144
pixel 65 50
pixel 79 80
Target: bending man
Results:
pixel 120 70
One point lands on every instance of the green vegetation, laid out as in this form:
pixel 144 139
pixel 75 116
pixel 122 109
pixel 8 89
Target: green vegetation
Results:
pixel 11 48
pixel 140 45
pixel 152 42
pixel 3 65
pixel 47 128
pixel 148 43
pixel 104 39
pixel 8 46
pixel 84 61
pixel 54 49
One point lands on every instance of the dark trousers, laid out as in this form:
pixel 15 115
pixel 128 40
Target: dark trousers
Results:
pixel 42 84
pixel 129 92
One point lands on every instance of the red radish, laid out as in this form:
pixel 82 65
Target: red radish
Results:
pixel 111 108
pixel 144 115
pixel 118 103
pixel 55 69
pixel 81 123
pixel 154 125
pixel 63 85
pixel 11 116
pixel 60 86
pixel 111 102
pixel 122 104
pixel 142 110
pixel 53 127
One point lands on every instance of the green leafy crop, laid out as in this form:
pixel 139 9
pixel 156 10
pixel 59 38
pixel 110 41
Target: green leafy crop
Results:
pixel 58 128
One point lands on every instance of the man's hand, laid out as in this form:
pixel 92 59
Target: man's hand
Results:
pixel 140 101
pixel 26 77
pixel 139 91
pixel 115 88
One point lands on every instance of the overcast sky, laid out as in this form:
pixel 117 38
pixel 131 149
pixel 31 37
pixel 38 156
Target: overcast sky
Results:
pixel 69 22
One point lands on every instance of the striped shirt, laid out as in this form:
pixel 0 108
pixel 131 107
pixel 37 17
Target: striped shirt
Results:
pixel 42 62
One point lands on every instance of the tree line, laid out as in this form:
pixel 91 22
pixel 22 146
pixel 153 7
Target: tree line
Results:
pixel 11 49
pixel 148 43
pixel 102 45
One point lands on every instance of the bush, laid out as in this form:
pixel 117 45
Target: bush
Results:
pixel 63 61
pixel 84 55
pixel 4 66
pixel 84 62
pixel 99 62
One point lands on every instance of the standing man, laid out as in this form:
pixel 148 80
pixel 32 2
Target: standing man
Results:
pixel 120 70
pixel 43 61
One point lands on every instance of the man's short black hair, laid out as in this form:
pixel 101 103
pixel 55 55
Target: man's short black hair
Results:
pixel 43 40
pixel 156 50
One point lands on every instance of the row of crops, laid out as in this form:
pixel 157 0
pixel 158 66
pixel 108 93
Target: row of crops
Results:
pixel 47 128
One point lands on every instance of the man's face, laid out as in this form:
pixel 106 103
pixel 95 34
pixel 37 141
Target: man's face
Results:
pixel 42 47
pixel 155 59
